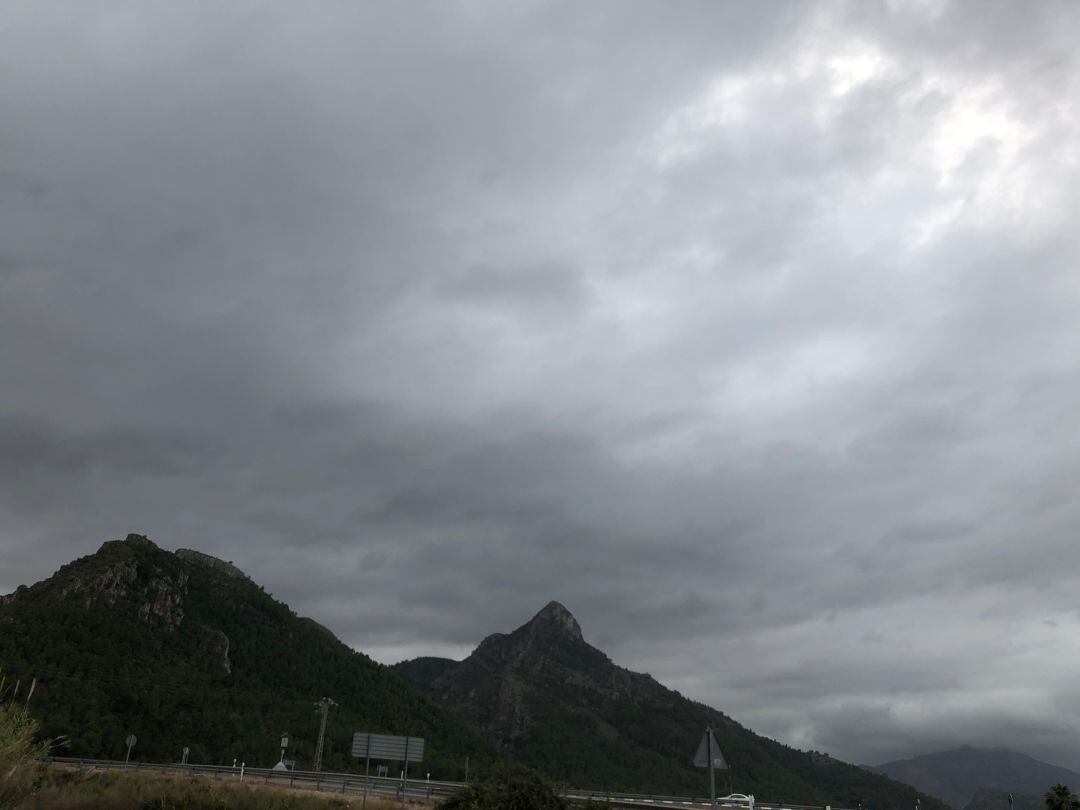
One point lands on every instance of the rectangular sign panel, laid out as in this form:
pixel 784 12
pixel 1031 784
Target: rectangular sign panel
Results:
pixel 387 747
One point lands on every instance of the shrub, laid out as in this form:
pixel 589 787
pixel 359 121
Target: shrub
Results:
pixel 93 790
pixel 19 754
pixel 509 788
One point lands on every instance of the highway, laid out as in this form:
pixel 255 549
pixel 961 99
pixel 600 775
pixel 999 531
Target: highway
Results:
pixel 415 791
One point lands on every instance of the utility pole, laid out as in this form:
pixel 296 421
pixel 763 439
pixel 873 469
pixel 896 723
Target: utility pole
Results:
pixel 324 706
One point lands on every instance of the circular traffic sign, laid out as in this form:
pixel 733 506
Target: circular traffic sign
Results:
pixel 131 740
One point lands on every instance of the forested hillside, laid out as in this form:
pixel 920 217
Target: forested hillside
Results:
pixel 182 649
pixel 546 697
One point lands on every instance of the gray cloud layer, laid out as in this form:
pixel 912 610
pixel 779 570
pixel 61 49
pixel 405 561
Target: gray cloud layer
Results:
pixel 749 331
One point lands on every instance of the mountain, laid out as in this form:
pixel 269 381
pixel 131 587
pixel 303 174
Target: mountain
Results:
pixel 546 697
pixel 183 649
pixel 422 672
pixel 955 776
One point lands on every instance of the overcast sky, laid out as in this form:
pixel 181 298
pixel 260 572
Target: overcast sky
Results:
pixel 749 331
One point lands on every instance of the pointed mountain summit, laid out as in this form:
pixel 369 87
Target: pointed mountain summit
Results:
pixel 555 616
pixel 544 696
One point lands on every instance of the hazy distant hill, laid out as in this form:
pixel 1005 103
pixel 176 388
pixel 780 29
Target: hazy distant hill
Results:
pixel 955 776
pixel 183 649
pixel 544 696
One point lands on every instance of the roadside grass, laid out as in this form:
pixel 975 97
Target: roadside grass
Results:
pixel 91 790
pixel 26 785
pixel 19 752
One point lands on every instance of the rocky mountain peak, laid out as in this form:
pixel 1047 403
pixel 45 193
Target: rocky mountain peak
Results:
pixel 555 615
pixel 123 574
pixel 547 698
pixel 199 558
pixel 132 541
pixel 140 540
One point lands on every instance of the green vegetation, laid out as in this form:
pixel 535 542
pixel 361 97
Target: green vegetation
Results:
pixel 508 788
pixel 75 790
pixel 182 651
pixel 1059 797
pixel 553 702
pixel 18 754
pixel 20 750
pixel 655 737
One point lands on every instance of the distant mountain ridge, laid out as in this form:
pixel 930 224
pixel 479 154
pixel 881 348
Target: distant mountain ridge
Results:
pixel 544 696
pixel 183 649
pixel 955 776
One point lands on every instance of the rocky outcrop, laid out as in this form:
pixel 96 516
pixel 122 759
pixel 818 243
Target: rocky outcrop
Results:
pixel 215 646
pixel 560 619
pixel 122 575
pixel 105 587
pixel 164 601
pixel 503 687
pixel 222 567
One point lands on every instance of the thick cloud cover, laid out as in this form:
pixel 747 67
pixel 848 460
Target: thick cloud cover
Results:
pixel 751 332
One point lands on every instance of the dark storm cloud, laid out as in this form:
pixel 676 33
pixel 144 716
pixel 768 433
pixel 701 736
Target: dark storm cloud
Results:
pixel 746 331
pixel 28 447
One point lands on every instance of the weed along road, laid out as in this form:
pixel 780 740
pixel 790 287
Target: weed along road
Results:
pixel 422 791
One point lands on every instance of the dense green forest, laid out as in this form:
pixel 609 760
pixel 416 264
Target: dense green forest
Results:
pixel 182 650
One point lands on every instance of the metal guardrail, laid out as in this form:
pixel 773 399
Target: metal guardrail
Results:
pixel 654 800
pixel 412 790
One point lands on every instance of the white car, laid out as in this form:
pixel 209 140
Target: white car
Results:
pixel 736 800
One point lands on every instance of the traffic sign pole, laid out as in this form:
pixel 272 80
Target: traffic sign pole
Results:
pixel 709 756
pixel 712 770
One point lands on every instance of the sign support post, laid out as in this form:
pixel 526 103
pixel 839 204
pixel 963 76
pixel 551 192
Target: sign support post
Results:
pixel 709 756
pixel 387 748
pixel 712 770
